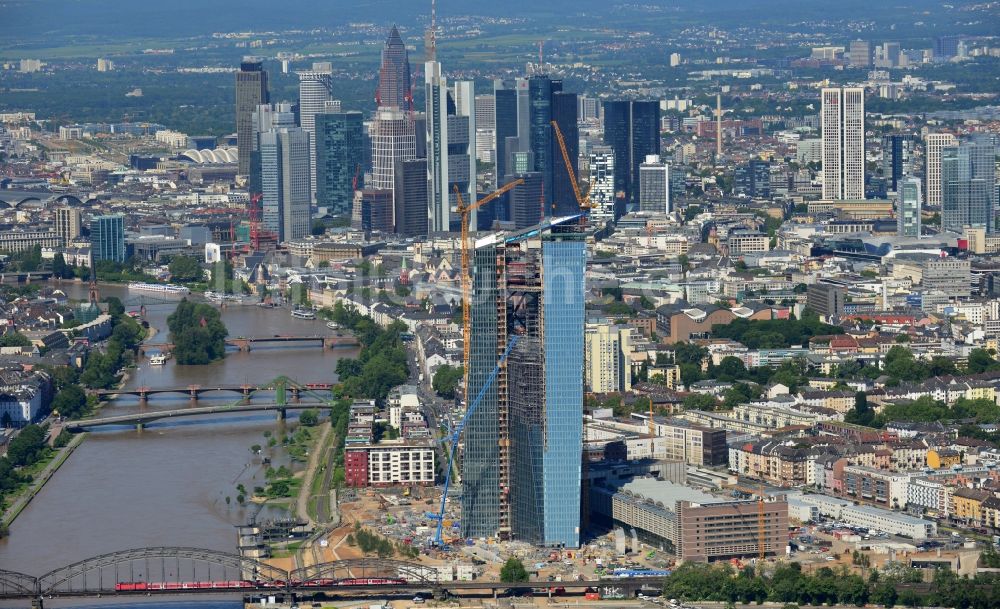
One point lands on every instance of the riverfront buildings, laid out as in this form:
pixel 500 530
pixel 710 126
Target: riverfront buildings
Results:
pixel 521 463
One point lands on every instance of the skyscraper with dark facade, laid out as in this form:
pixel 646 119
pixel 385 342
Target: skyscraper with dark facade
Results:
pixel 521 465
pixel 526 200
pixel 394 76
pixel 410 197
pixel 251 92
pixel 753 179
pixel 340 148
pixel 896 151
pixel 632 129
pixel 505 116
pixel 547 103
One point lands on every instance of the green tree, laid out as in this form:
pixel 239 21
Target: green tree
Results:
pixel 115 306
pixel 700 401
pixel 185 269
pixel 862 413
pixel 981 361
pixel 59 267
pixel 309 418
pixel 14 339
pixel 197 332
pixel 513 571
pixel 447 379
pixel 70 402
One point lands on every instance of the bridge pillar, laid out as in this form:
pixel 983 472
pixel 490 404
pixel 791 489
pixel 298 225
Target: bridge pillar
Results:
pixel 36 603
pixel 194 391
pixel 296 394
pixel 247 391
pixel 140 426
pixel 281 414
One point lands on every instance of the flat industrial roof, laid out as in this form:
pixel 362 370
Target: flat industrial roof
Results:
pixel 668 492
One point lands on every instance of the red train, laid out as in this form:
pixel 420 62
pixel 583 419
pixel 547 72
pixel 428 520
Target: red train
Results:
pixel 242 584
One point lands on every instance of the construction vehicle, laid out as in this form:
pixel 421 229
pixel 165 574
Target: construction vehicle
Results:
pixel 466 280
pixel 437 541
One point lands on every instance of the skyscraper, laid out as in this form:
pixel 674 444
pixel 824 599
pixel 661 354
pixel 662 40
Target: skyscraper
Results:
pixel 251 91
pixel 315 94
pixel 602 180
pixel 107 238
pixel 372 210
pixel 860 54
pixel 632 129
pixel 287 196
pixel 393 140
pixel 462 129
pixel 521 463
pixel 909 208
pixel 895 152
pixel 505 120
pixel 842 118
pixel 564 113
pixel 968 189
pixel 339 156
pixel 527 200
pixel 410 197
pixel 436 98
pixel 654 185
pixel 394 75
pixel 265 118
pixel 933 144
pixel 753 179
pixel 68 223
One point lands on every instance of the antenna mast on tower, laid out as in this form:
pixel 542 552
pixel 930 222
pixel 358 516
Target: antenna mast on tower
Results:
pixel 430 37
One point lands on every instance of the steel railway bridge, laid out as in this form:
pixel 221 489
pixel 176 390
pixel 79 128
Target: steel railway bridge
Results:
pixel 184 570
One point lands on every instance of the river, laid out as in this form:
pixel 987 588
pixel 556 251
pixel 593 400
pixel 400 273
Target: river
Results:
pixel 166 485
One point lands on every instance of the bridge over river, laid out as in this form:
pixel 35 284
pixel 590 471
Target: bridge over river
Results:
pixel 181 570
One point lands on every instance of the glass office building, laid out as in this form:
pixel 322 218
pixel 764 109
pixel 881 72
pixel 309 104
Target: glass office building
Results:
pixel 521 465
pixel 107 238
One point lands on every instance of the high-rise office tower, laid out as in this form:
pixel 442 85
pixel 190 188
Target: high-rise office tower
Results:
pixel 107 238
pixel 934 143
pixel 526 200
pixel 265 118
pixel 315 93
pixel 393 139
pixel 564 113
pixel 68 223
pixel 521 462
pixel 908 212
pixel 842 118
pixel 946 47
pixel 251 92
pixel 588 108
pixel 287 195
pixel 632 129
pixel 860 54
pixel 602 180
pixel 394 86
pixel 461 148
pixel 505 121
pixel 340 146
pixel 436 98
pixel 372 210
pixel 896 149
pixel 608 369
pixel 485 112
pixel 753 179
pixel 968 188
pixel 654 185
pixel 410 197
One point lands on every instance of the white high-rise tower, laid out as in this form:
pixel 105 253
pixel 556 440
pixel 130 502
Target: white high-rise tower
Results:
pixel 843 121
pixel 934 143
pixel 315 93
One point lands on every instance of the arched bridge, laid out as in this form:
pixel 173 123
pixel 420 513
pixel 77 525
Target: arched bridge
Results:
pixel 197 570
pixel 196 391
pixel 245 343
pixel 139 419
pixel 183 570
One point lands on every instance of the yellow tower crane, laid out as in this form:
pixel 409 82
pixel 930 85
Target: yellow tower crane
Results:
pixel 583 200
pixel 466 279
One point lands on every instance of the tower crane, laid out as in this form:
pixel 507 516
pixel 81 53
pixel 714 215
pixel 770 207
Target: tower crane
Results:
pixel 761 528
pixel 454 435
pixel 583 200
pixel 464 211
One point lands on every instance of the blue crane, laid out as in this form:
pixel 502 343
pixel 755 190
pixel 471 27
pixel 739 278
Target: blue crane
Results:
pixel 458 430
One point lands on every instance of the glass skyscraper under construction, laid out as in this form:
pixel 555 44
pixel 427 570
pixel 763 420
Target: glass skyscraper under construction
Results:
pixel 522 446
